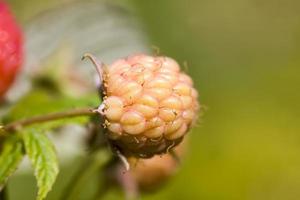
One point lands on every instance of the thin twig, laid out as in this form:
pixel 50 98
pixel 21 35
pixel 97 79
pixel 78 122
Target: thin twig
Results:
pixel 14 126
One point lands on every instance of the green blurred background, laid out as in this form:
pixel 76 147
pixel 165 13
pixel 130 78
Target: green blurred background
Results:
pixel 244 58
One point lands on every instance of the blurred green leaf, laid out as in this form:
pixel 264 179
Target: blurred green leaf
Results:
pixel 10 158
pixel 40 102
pixel 82 180
pixel 42 154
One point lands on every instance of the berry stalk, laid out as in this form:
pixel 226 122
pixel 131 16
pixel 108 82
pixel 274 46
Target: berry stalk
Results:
pixel 16 125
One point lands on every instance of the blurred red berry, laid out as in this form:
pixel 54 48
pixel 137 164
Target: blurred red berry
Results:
pixel 11 48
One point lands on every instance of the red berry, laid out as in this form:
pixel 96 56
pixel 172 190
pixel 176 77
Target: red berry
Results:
pixel 11 48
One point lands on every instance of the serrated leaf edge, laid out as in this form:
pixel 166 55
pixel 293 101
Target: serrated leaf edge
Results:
pixel 39 140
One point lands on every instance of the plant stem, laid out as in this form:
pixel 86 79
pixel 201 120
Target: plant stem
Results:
pixel 14 126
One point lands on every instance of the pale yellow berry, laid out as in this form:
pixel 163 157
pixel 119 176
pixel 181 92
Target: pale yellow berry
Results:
pixel 159 83
pixel 182 89
pixel 146 111
pixel 178 133
pixel 115 127
pixel 148 100
pixel 144 77
pixel 159 93
pixel 144 60
pixel 113 108
pixel 171 78
pixel 186 79
pixel 133 94
pixel 117 65
pixel 135 129
pixel 194 93
pixel 114 83
pixel 167 114
pixel 173 126
pixel 154 122
pixel 128 87
pixel 167 72
pixel 131 118
pixel 150 104
pixel 187 101
pixel 171 102
pixel 171 64
pixel 188 115
pixel 155 132
pixel 115 130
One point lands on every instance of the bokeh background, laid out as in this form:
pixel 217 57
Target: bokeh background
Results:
pixel 244 58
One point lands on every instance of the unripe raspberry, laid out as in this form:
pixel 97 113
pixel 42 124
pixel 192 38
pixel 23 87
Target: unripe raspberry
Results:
pixel 11 54
pixel 149 104
pixel 145 174
pixel 158 169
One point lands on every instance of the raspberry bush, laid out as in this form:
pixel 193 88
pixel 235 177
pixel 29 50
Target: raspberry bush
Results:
pixel 148 106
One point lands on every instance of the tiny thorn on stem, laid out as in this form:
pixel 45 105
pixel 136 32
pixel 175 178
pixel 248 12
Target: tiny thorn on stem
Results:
pixel 98 65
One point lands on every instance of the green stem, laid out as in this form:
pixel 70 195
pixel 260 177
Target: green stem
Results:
pixel 16 125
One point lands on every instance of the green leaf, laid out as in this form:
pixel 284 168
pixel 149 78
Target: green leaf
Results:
pixel 91 165
pixel 43 157
pixel 10 158
pixel 40 102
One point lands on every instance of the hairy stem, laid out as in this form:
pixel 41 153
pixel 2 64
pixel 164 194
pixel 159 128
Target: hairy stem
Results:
pixel 16 125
